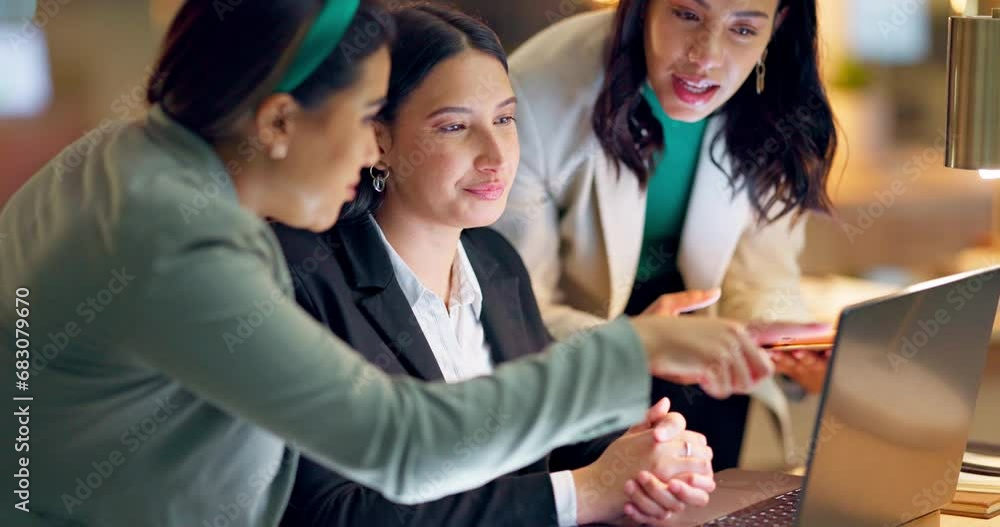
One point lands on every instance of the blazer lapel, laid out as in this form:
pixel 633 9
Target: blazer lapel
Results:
pixel 621 206
pixel 380 298
pixel 503 322
pixel 715 219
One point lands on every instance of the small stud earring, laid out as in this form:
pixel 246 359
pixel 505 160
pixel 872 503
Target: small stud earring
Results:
pixel 279 151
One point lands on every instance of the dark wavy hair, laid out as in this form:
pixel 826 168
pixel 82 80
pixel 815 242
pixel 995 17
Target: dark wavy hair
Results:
pixel 428 34
pixel 780 144
pixel 218 64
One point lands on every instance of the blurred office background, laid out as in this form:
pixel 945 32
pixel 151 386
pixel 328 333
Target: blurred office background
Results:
pixel 79 62
pixel 901 216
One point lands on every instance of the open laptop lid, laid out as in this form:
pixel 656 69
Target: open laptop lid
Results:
pixel 898 403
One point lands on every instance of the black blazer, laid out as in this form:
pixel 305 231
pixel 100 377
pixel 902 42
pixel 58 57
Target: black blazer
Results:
pixel 345 279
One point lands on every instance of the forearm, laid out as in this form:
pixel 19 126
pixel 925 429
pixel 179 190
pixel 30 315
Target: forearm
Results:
pixel 563 320
pixel 293 377
pixel 536 404
pixel 322 498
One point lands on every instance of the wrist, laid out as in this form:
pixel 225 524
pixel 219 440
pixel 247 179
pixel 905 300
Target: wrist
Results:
pixel 595 501
pixel 645 329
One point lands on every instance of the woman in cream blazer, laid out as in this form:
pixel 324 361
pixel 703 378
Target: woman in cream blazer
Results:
pixel 576 212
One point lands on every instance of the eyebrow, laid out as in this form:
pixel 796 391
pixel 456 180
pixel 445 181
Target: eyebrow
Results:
pixel 380 102
pixel 752 14
pixel 462 109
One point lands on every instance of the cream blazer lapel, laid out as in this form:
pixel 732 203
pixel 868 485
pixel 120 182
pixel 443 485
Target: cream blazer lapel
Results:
pixel 621 211
pixel 715 219
pixel 708 239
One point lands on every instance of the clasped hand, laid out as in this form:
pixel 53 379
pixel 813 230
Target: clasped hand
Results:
pixel 654 471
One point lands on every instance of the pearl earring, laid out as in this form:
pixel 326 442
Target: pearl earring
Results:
pixel 279 151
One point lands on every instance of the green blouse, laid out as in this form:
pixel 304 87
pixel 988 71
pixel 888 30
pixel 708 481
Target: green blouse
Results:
pixel 668 191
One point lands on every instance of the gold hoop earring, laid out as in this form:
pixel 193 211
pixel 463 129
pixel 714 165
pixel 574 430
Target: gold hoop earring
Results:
pixel 378 181
pixel 761 72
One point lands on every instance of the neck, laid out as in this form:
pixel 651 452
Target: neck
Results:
pixel 427 247
pixel 248 181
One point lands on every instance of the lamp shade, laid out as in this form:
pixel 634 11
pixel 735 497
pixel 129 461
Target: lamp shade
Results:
pixel 973 139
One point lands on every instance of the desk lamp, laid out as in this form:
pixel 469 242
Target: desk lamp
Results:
pixel 973 138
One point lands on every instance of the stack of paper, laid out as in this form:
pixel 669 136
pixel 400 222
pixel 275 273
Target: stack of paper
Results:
pixel 974 504
pixel 979 483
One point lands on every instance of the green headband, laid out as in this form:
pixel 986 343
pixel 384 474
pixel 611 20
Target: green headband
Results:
pixel 322 38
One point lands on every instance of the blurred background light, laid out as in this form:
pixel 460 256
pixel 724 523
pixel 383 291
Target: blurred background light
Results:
pixel 26 80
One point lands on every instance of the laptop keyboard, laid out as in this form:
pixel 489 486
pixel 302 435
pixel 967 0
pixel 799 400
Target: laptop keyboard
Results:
pixel 778 511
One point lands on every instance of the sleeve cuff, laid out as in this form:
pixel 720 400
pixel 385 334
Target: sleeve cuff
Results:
pixel 564 491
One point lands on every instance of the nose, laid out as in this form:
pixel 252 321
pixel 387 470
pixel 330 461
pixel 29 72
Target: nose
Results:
pixel 493 156
pixel 706 49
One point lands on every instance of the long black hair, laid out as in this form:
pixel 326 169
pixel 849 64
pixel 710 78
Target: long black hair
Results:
pixel 219 63
pixel 780 143
pixel 428 34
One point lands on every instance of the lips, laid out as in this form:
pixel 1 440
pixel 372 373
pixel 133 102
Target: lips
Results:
pixel 487 191
pixel 693 90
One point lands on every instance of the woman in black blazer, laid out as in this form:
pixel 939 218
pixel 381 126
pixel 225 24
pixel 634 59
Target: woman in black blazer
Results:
pixel 411 239
pixel 353 289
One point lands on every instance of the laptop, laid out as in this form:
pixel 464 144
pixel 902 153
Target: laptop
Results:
pixel 893 419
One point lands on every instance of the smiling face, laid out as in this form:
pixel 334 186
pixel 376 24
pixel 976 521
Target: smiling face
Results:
pixel 700 52
pixel 452 150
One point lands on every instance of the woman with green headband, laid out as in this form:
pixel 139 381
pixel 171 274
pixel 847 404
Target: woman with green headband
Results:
pixel 166 376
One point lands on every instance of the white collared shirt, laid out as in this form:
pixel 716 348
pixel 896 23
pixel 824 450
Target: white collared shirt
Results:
pixel 456 337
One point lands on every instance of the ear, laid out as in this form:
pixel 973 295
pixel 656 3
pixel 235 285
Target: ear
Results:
pixel 275 122
pixel 779 19
pixel 383 136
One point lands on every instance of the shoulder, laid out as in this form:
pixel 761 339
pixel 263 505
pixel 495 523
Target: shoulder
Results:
pixel 314 261
pixel 557 76
pixel 300 244
pixel 171 203
pixel 556 64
